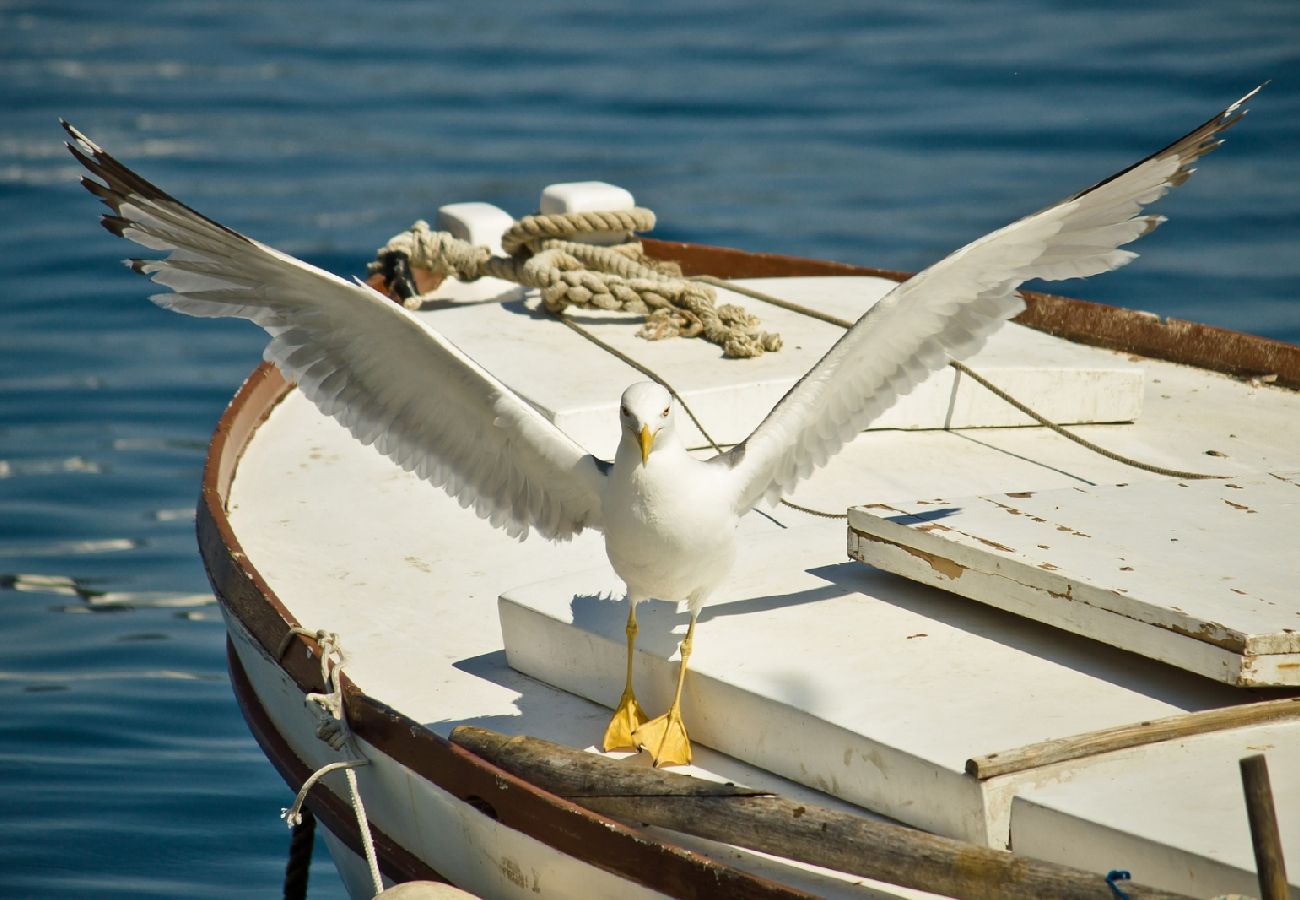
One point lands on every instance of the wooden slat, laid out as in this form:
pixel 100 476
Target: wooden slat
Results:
pixel 1032 756
pixel 769 824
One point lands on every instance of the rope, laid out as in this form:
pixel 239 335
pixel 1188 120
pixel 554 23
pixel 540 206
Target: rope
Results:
pixel 333 730
pixel 531 229
pixel 644 370
pixel 569 273
pixel 974 376
pixel 298 868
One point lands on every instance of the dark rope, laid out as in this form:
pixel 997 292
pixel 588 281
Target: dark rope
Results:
pixel 301 842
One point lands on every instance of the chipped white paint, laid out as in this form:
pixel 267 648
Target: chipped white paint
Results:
pixel 1199 574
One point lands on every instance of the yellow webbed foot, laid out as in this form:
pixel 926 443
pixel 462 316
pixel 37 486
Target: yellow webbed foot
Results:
pixel 628 717
pixel 665 738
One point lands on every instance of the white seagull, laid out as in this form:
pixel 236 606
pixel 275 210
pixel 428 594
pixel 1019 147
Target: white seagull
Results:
pixel 669 519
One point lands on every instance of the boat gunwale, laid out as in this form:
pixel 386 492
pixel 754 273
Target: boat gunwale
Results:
pixel 561 824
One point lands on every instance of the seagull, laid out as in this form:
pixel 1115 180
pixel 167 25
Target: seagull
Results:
pixel 668 518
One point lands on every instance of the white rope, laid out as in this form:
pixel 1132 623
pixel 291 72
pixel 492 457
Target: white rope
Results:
pixel 333 730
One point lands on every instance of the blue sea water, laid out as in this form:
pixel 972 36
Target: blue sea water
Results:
pixel 883 134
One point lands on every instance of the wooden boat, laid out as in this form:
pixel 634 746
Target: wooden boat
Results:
pixel 1093 721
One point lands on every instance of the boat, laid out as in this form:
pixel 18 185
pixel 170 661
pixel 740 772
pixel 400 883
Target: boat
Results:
pixel 1027 646
pixel 1032 633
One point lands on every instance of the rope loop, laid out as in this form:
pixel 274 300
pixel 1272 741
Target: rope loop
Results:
pixel 334 731
pixel 530 231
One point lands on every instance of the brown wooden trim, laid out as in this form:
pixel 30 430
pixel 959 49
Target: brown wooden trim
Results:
pixel 395 862
pixel 1125 330
pixel 562 825
pixel 1122 737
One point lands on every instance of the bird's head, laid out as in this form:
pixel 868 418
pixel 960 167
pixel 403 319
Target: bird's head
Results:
pixel 647 415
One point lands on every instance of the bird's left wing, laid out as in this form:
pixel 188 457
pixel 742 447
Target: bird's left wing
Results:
pixel 950 309
pixel 363 360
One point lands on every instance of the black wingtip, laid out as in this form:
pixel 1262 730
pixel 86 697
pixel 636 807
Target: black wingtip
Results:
pixel 121 185
pixel 1201 140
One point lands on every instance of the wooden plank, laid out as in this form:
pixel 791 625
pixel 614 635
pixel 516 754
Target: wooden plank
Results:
pixel 1196 574
pixel 1046 753
pixel 771 824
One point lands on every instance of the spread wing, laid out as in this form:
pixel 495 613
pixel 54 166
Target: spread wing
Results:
pixel 363 360
pixel 950 309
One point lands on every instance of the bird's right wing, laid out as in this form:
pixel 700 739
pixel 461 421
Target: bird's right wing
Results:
pixel 950 309
pixel 363 360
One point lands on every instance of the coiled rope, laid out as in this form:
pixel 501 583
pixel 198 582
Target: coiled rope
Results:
pixel 333 730
pixel 568 273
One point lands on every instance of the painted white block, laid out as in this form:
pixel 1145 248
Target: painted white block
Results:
pixel 1067 382
pixel 478 223
pixel 1198 574
pixel 584 196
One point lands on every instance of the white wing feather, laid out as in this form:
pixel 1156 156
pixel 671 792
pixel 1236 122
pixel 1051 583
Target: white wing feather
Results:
pixel 950 309
pixel 363 360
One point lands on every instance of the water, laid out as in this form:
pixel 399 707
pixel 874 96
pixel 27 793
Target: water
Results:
pixel 886 137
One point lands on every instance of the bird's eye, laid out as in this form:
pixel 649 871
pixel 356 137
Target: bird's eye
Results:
pixel 623 410
pixel 665 412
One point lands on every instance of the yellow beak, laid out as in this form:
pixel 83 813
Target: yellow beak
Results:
pixel 647 441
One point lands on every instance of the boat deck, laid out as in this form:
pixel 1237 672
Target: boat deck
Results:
pixel 825 674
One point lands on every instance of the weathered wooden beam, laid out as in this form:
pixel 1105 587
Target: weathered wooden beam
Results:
pixel 770 824
pixel 1264 833
pixel 1121 737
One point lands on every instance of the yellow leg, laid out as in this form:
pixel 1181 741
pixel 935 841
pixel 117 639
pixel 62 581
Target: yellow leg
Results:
pixel 628 715
pixel 665 737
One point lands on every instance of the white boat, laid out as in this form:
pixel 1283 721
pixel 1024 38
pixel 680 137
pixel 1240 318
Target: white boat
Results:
pixel 1044 652
pixel 1028 646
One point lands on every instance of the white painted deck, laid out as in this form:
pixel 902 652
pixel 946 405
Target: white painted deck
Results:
pixel 833 674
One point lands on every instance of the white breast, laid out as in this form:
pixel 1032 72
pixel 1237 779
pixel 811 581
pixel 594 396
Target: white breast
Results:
pixel 670 527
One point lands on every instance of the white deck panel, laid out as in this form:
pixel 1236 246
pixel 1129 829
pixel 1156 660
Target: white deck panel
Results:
pixel 1172 813
pixel 1199 574
pixel 577 386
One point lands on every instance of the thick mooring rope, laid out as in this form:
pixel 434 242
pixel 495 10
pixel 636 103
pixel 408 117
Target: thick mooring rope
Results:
pixel 567 273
